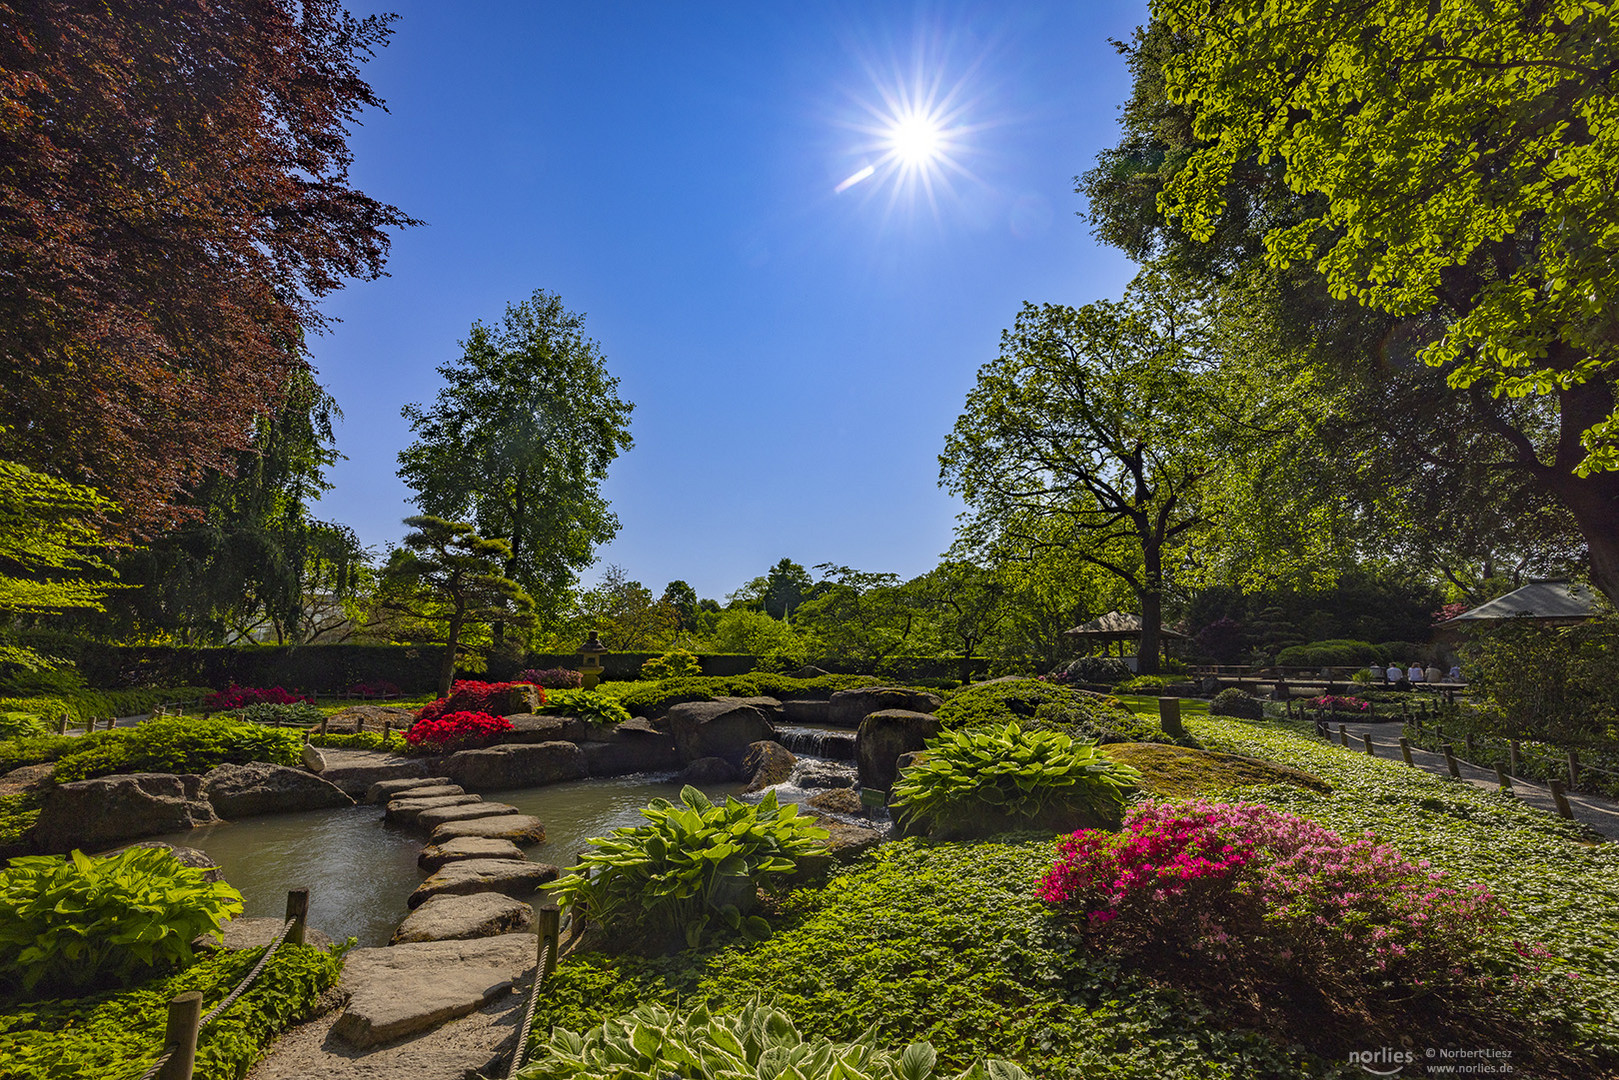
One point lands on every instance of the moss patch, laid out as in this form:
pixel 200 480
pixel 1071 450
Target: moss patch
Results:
pixel 1177 772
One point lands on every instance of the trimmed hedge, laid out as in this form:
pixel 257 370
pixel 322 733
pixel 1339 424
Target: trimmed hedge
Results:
pixel 1038 704
pixel 1335 653
pixel 660 698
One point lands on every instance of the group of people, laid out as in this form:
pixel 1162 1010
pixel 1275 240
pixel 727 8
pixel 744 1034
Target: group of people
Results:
pixel 1416 674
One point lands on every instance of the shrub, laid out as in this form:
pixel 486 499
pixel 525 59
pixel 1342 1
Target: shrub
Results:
pixel 469 695
pixel 693 862
pixel 1556 684
pixel 76 922
pixel 1337 652
pixel 1272 896
pixel 588 705
pixel 756 1042
pixel 1238 703
pixel 658 699
pixel 380 688
pixel 271 714
pixel 397 741
pixel 175 745
pixel 557 678
pixel 1044 705
pixel 1336 703
pixel 21 725
pixel 455 731
pixel 983 781
pixel 237 697
pixel 1096 669
pixel 674 664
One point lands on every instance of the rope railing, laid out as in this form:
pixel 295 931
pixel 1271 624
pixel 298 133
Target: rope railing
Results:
pixel 185 1023
pixel 549 944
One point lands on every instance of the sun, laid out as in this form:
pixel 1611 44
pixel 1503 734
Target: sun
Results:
pixel 916 134
pixel 916 140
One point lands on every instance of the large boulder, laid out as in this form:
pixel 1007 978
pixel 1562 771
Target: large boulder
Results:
pixel 90 814
pixel 514 877
pixel 239 791
pixel 399 990
pixel 844 800
pixel 847 708
pixel 767 764
pixel 723 728
pixel 516 765
pixel 707 770
pixel 810 712
pixel 631 747
pixel 449 917
pixel 883 737
pixel 356 770
pixel 528 728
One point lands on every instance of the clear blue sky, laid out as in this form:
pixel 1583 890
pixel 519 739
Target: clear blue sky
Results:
pixel 796 354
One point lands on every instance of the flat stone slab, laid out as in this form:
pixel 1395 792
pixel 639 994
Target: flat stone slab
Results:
pixel 524 830
pixel 467 847
pixel 356 770
pixel 514 877
pixel 450 917
pixel 384 791
pixel 404 989
pixel 404 811
pixel 428 820
pixel 435 791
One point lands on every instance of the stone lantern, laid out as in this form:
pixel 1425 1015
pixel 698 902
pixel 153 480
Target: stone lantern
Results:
pixel 590 660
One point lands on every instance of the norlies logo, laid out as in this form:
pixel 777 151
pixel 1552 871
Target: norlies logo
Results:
pixel 1385 1061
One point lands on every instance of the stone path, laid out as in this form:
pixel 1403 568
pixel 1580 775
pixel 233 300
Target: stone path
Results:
pixel 443 1002
pixel 1594 810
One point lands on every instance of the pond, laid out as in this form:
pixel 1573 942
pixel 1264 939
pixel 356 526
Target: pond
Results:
pixel 359 871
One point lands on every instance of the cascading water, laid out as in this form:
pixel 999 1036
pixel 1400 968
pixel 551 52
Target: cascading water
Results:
pixel 833 743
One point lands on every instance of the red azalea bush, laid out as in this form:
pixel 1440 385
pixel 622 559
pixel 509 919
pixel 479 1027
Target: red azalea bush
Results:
pixel 557 678
pixel 1334 703
pixel 381 688
pixel 454 731
pixel 469 695
pixel 236 697
pixel 1257 890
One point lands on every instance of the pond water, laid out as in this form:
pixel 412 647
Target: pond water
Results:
pixel 359 871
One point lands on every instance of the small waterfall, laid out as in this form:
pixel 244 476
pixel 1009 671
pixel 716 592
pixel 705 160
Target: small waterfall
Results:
pixel 828 743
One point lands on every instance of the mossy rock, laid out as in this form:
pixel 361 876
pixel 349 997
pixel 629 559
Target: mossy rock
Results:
pixel 1177 772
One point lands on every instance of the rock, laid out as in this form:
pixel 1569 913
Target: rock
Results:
pixel 769 707
pixel 436 791
pixel 404 811
pixel 723 728
pixel 637 753
pixel 812 713
pixel 849 842
pixel 638 725
pixel 239 791
pixel 524 830
pixel 187 856
pixel 822 774
pixel 528 728
pixel 370 718
pixel 837 801
pixel 467 847
pixel 449 917
pixel 516 765
pixel 767 764
pixel 885 735
pixel 386 791
pixel 356 770
pixel 847 708
pixel 808 671
pixel 255 933
pixel 400 990
pixel 312 759
pixel 101 812
pixel 706 770
pixel 430 819
pixel 514 877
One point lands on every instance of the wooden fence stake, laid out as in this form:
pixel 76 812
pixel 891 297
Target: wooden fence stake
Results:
pixel 1450 761
pixel 185 1011
pixel 62 728
pixel 1561 799
pixel 1405 751
pixel 1467 740
pixel 550 933
pixel 1169 717
pixel 1516 755
pixel 1501 778
pixel 387 732
pixel 1343 734
pixel 297 909
pixel 1369 751
pixel 1573 767
pixel 324 721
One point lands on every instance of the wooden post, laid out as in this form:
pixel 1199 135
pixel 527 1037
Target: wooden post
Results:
pixel 185 1011
pixel 111 720
pixel 1368 741
pixel 1169 716
pixel 359 724
pixel 1343 734
pixel 1561 799
pixel 1501 778
pixel 1573 767
pixel 1516 755
pixel 1405 751
pixel 1467 740
pixel 1450 761
pixel 323 722
pixel 550 934
pixel 62 728
pixel 297 909
pixel 387 732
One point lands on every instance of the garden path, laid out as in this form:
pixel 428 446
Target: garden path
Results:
pixel 1600 813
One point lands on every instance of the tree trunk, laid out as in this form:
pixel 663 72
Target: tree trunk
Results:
pixel 446 670
pixel 1152 606
pixel 1594 502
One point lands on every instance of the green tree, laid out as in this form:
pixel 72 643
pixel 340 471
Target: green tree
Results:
pixel 785 588
pixel 445 574
pixel 683 598
pixel 968 602
pixel 626 613
pixel 1442 165
pixel 856 614
pixel 1106 418
pixel 741 630
pixel 520 439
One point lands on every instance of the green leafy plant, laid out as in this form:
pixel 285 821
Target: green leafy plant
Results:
pixel 77 922
pixel 674 664
pixel 1035 703
pixel 18 813
pixel 693 862
pixel 590 705
pixel 175 745
pixel 756 1043
pixel 981 781
pixel 20 725
pixel 276 714
pixel 1239 703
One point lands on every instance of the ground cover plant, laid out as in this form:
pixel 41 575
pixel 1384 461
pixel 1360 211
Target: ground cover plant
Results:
pixel 980 781
pixel 282 714
pixel 1182 772
pixel 1034 703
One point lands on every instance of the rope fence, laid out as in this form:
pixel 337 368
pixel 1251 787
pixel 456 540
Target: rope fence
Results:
pixel 549 944
pixel 185 1023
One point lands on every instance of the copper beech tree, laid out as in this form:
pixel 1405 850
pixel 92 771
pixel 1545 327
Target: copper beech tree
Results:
pixel 174 201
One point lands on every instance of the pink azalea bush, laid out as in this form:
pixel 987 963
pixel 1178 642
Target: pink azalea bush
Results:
pixel 455 730
pixel 1335 703
pixel 552 678
pixel 237 697
pixel 1248 887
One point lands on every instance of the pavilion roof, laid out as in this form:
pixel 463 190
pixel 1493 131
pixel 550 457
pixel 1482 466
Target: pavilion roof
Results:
pixel 1537 600
pixel 1117 624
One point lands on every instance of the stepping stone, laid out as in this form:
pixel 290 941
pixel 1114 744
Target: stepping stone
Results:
pixel 400 990
pixel 450 917
pixel 355 771
pixel 525 830
pixel 514 877
pixel 404 811
pixel 428 820
pixel 387 790
pixel 434 791
pixel 467 847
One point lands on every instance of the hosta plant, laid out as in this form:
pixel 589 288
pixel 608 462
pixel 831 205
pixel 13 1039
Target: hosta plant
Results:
pixel 757 1043
pixel 270 714
pixel 76 923
pixel 978 781
pixel 693 863
pixel 589 705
